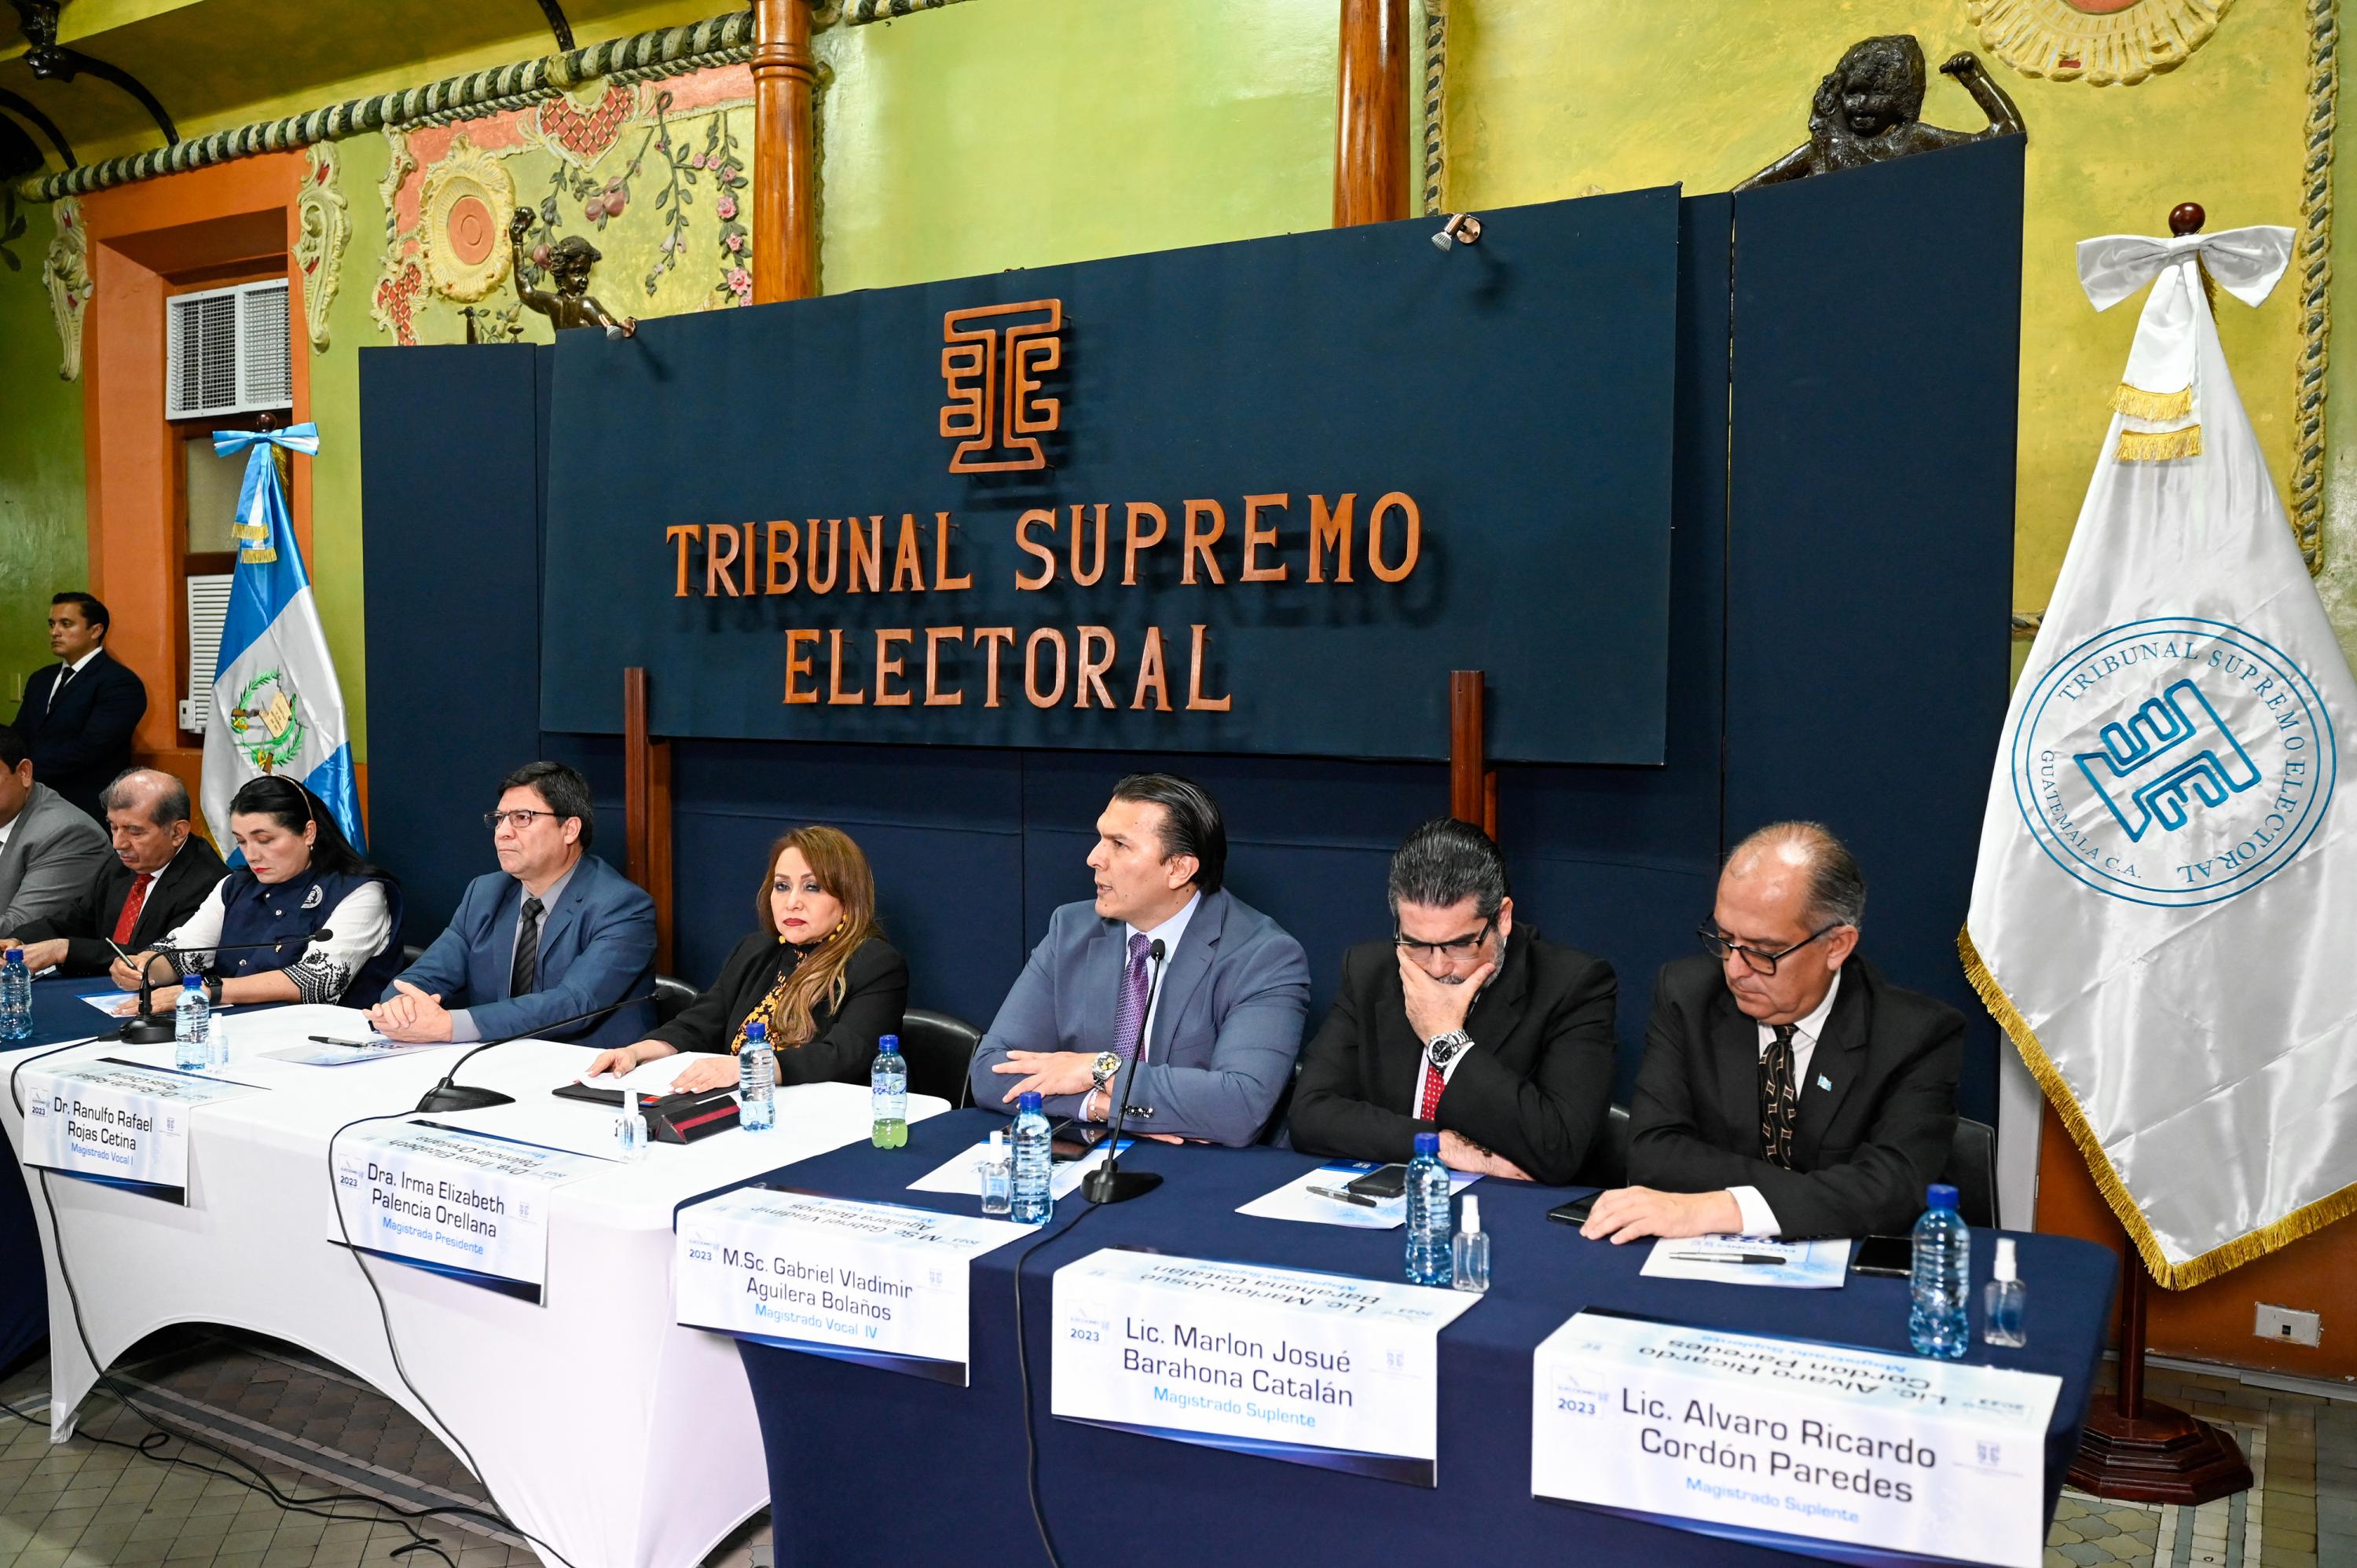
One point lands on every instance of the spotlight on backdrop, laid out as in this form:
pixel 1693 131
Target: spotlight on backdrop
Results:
pixel 1462 227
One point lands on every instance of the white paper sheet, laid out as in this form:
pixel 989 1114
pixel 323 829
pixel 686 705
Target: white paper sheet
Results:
pixel 960 1174
pixel 1752 1260
pixel 1296 1200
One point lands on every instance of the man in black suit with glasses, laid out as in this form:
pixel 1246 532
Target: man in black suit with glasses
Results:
pixel 1788 1088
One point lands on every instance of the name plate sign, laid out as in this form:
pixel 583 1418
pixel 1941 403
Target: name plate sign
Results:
pixel 1792 1444
pixel 873 1282
pixel 458 1203
pixel 119 1124
pixel 1312 1368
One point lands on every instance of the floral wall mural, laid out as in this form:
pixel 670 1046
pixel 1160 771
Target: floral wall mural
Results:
pixel 655 174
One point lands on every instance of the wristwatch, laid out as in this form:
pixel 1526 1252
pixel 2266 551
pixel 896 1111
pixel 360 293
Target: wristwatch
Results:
pixel 1442 1049
pixel 1101 1070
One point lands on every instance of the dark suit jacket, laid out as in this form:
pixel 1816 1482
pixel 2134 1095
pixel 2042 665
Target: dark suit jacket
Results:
pixel 597 945
pixel 1534 1087
pixel 80 746
pixel 1864 1150
pixel 874 997
pixel 90 920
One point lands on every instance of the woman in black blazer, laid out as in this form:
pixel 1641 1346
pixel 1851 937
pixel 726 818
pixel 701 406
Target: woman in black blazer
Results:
pixel 817 970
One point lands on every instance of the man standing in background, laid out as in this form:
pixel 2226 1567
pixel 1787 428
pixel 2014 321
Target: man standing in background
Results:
pixel 78 714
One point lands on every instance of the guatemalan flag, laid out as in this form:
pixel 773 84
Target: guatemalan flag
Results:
pixel 2167 877
pixel 276 706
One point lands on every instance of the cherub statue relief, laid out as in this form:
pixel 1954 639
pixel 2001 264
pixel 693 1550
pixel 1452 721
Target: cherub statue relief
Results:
pixel 1868 111
pixel 568 262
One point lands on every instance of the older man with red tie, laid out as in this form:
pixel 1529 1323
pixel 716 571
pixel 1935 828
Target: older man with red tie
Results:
pixel 157 875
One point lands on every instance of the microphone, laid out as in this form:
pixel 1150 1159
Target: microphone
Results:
pixel 1107 1183
pixel 145 1029
pixel 450 1095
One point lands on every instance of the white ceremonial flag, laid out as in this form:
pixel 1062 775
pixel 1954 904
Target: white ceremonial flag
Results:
pixel 2161 914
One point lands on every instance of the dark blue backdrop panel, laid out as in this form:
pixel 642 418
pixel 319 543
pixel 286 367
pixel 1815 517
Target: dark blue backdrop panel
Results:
pixel 1871 535
pixel 1520 391
pixel 450 491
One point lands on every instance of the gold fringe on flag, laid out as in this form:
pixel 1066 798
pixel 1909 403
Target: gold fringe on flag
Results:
pixel 2158 407
pixel 2160 446
pixel 2243 1250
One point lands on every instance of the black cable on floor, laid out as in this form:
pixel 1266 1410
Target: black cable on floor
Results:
pixel 1023 1368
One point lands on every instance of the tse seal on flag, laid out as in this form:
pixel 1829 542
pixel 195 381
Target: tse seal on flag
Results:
pixel 2173 760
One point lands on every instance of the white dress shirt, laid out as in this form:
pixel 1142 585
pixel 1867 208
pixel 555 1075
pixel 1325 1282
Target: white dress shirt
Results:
pixel 1759 1220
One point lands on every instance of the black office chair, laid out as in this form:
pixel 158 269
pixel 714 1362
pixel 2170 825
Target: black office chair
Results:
pixel 410 955
pixel 672 996
pixel 1972 1171
pixel 1606 1164
pixel 940 1050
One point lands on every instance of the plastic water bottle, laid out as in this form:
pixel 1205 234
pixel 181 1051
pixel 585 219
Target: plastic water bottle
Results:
pixel 888 1092
pixel 630 1128
pixel 1472 1256
pixel 995 1167
pixel 2005 1302
pixel 1031 1204
pixel 1940 1322
pixel 192 1025
pixel 756 1080
pixel 1428 1259
pixel 15 997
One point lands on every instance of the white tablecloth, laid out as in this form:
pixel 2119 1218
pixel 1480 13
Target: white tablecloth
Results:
pixel 600 1426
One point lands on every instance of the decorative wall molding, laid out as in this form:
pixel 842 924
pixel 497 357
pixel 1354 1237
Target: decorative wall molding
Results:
pixel 1435 107
pixel 66 271
pixel 644 57
pixel 2064 40
pixel 324 221
pixel 2313 257
pixel 856 12
pixel 468 199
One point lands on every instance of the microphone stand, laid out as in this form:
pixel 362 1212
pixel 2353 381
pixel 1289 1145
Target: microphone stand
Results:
pixel 1108 1183
pixel 451 1095
pixel 145 1029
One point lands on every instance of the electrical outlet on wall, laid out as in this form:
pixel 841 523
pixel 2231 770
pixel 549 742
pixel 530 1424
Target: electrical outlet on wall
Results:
pixel 16 678
pixel 2288 1324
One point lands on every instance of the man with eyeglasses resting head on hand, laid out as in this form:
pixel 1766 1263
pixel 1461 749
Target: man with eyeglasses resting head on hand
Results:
pixel 1788 1088
pixel 1465 1024
pixel 553 933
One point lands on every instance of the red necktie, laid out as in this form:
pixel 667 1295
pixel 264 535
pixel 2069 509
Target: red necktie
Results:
pixel 133 902
pixel 1428 1106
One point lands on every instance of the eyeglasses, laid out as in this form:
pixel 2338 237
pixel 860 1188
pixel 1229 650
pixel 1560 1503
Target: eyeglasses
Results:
pixel 1451 948
pixel 519 819
pixel 1759 962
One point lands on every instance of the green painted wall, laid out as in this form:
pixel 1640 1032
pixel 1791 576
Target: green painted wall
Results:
pixel 44 537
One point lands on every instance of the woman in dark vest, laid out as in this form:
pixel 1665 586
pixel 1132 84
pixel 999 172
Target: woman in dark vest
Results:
pixel 324 919
pixel 817 970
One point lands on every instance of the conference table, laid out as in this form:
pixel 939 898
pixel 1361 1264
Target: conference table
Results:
pixel 870 1467
pixel 597 1423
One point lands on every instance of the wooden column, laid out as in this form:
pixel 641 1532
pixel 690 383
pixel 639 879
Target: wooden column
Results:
pixel 646 809
pixel 1371 135
pixel 1473 782
pixel 785 227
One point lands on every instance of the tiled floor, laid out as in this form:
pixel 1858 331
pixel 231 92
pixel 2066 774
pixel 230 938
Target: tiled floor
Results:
pixel 312 1430
pixel 304 1424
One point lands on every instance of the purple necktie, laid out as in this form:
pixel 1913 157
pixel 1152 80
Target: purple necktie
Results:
pixel 1132 1012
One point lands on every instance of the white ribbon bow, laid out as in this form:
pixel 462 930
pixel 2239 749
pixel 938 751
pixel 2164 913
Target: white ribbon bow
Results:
pixel 2245 262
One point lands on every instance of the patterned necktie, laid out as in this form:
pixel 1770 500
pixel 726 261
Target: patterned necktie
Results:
pixel 1428 1105
pixel 1132 1011
pixel 527 954
pixel 1780 1101
pixel 133 902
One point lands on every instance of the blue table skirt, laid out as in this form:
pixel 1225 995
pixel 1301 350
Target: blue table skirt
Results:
pixel 58 1015
pixel 871 1466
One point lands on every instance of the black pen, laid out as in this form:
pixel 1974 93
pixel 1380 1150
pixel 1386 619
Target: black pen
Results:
pixel 349 1045
pixel 1727 1258
pixel 1339 1196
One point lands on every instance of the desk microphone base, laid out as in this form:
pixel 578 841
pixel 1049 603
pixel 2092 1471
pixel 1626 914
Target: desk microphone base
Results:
pixel 1118 1185
pixel 446 1097
pixel 152 1029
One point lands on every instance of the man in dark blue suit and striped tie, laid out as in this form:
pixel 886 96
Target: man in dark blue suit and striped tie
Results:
pixel 551 934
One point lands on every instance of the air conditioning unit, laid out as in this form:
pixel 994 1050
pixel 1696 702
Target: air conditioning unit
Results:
pixel 228 351
pixel 208 612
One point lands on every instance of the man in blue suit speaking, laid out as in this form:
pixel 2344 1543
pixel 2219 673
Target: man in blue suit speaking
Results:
pixel 1221 1027
pixel 553 933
